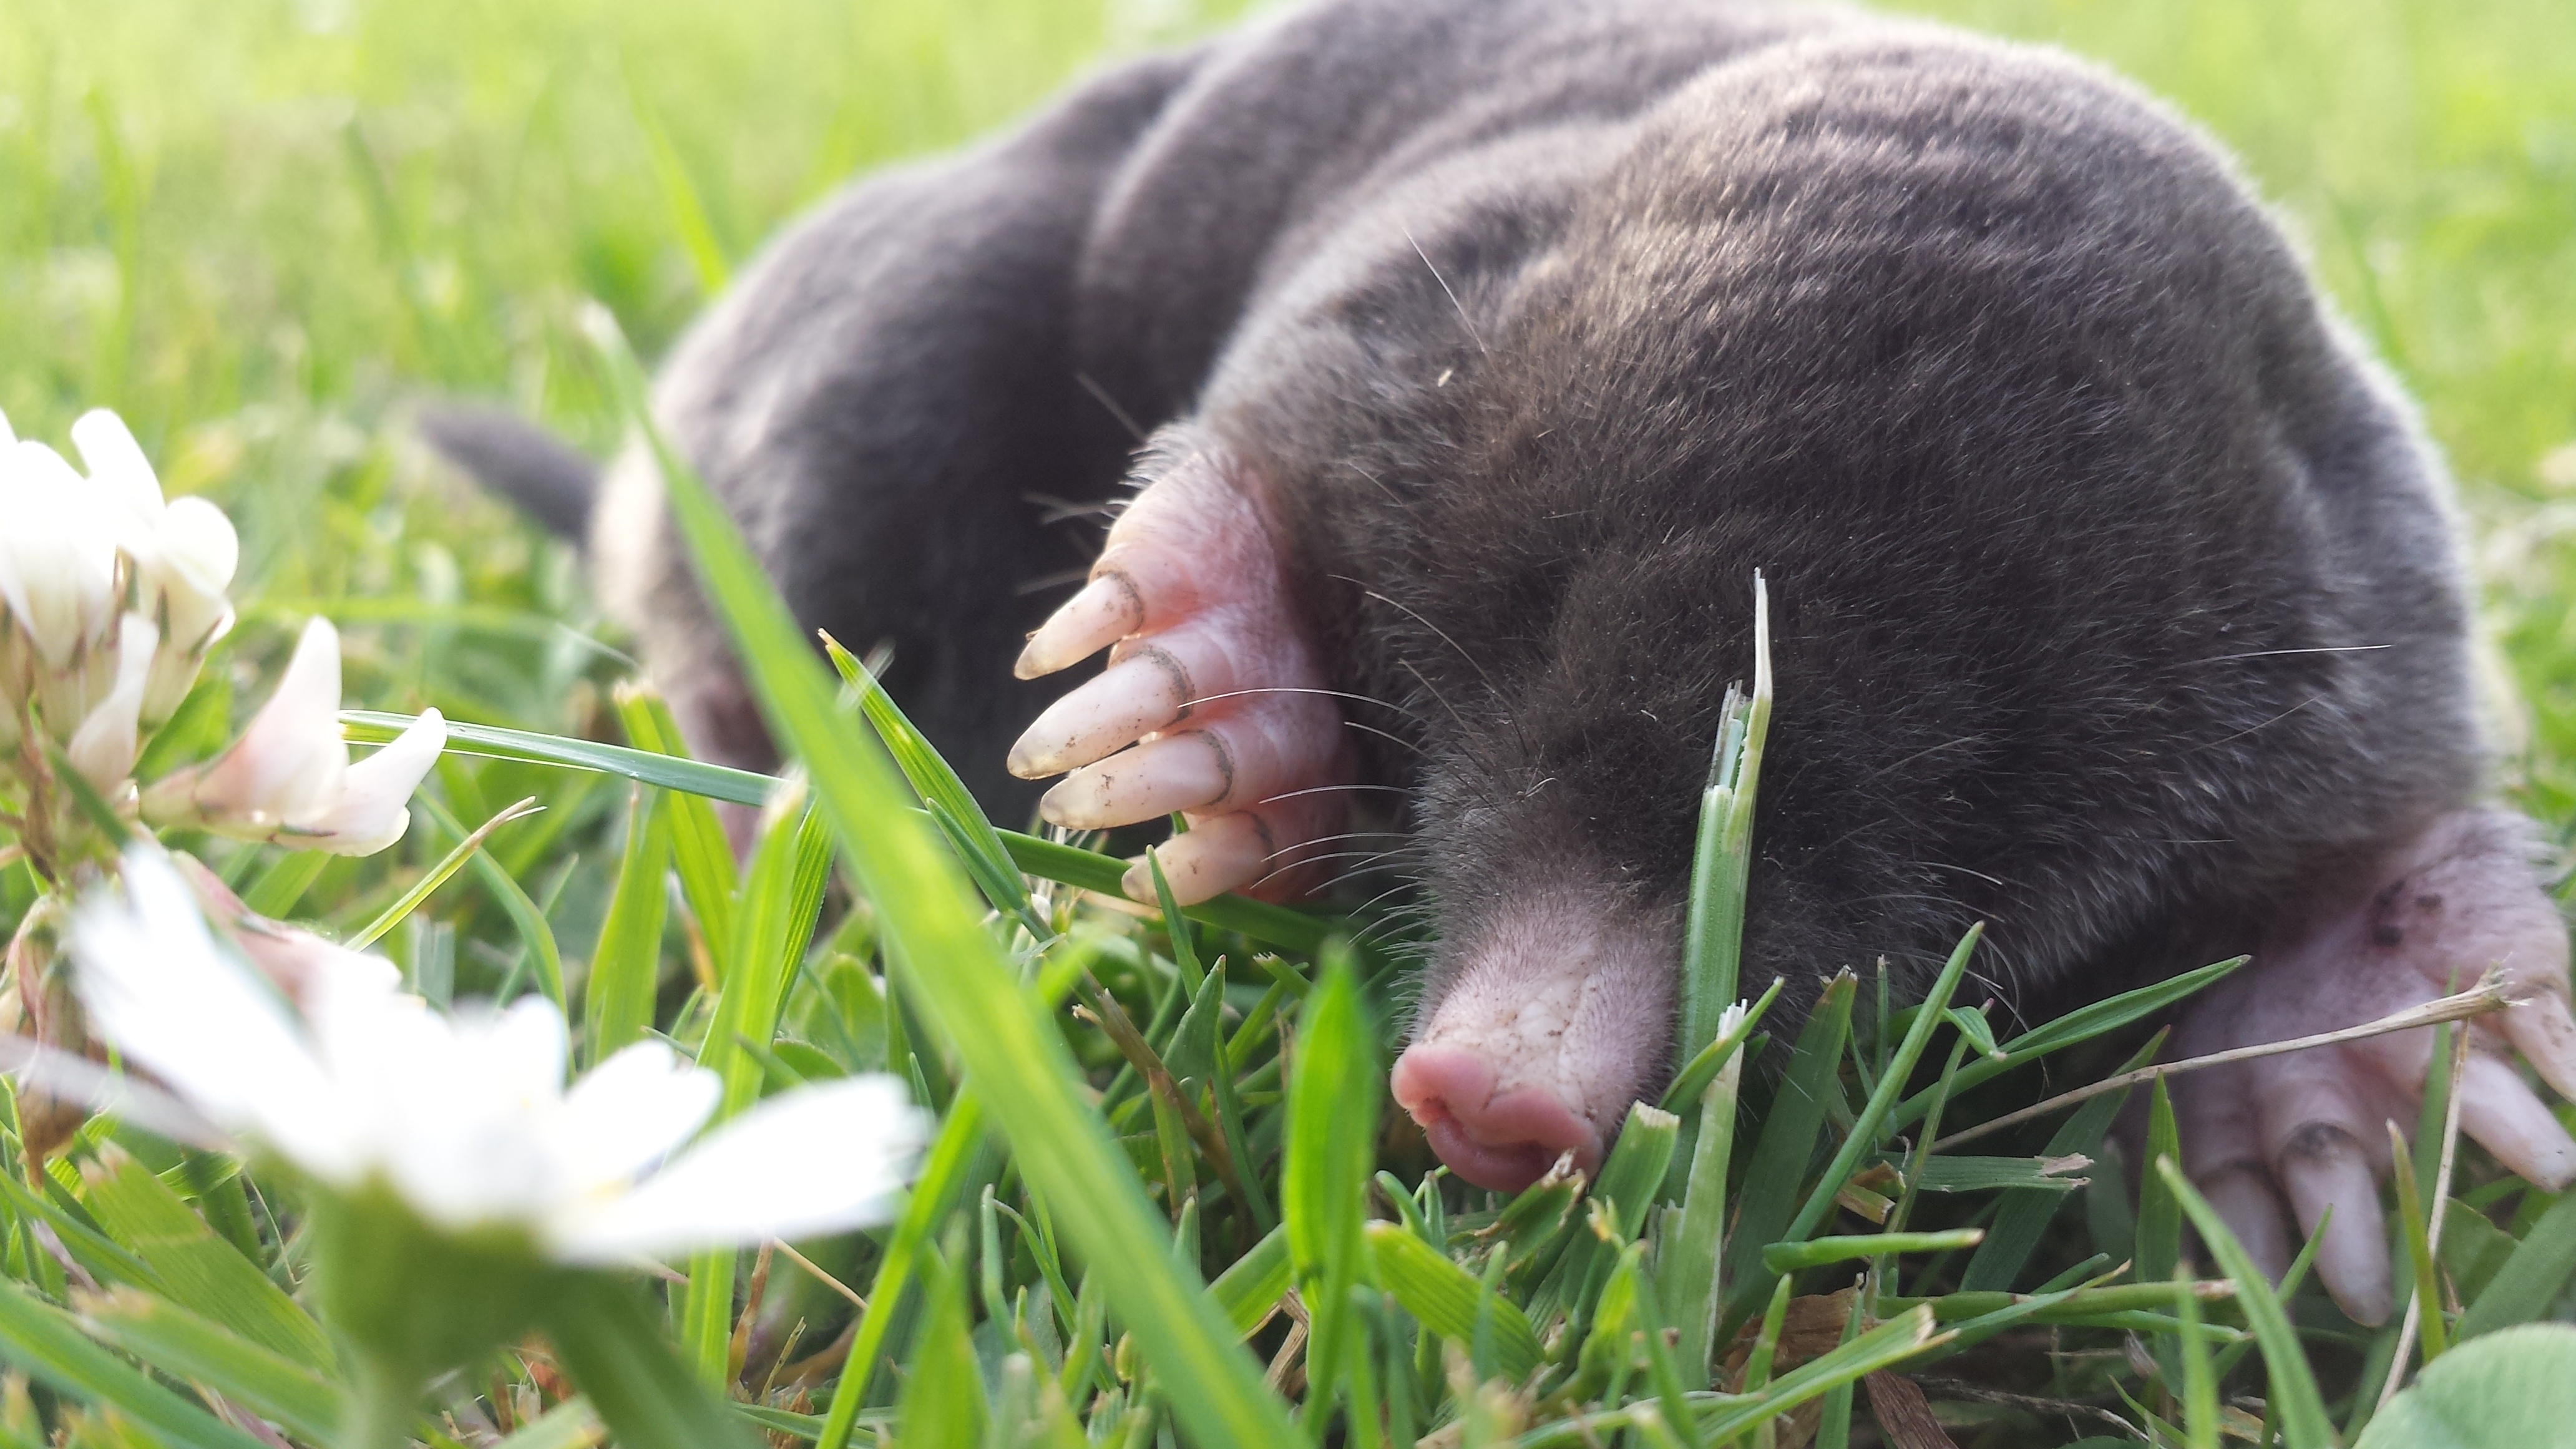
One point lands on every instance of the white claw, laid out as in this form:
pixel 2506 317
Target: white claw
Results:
pixel 1176 772
pixel 2325 1167
pixel 2500 1111
pixel 2245 1201
pixel 1107 610
pixel 1131 698
pixel 2542 1031
pixel 1216 856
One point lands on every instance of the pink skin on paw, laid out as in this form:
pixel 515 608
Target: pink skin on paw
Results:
pixel 1212 705
pixel 1543 1024
pixel 2308 1130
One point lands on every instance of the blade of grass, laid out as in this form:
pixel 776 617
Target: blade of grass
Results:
pixel 1883 1347
pixel 2073 1029
pixel 1833 1429
pixel 679 192
pixel 944 1173
pixel 284 882
pixel 182 1344
pixel 1817 1252
pixel 1733 1027
pixel 2425 1312
pixel 1788 1140
pixel 2412 1231
pixel 1863 1136
pixel 529 921
pixel 626 965
pixel 1686 1276
pixel 780 900
pixel 41 1340
pixel 1328 1148
pixel 203 1273
pixel 2486 996
pixel 2293 1394
pixel 1446 1299
pixel 1019 1059
pixel 699 850
pixel 1713 937
pixel 2024 1215
pixel 2199 1380
pixel 950 802
pixel 610 1344
pixel 438 875
pixel 1280 926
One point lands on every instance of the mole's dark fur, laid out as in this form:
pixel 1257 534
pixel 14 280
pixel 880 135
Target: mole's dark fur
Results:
pixel 2113 589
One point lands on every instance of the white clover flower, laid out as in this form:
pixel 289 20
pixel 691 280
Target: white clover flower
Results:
pixel 80 558
pixel 58 577
pixel 109 736
pixel 183 554
pixel 466 1119
pixel 288 778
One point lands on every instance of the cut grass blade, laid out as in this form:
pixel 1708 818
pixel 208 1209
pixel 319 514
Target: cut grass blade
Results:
pixel 1713 937
pixel 952 964
pixel 1686 1273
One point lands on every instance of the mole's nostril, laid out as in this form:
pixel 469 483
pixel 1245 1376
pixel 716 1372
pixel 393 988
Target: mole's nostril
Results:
pixel 1501 1140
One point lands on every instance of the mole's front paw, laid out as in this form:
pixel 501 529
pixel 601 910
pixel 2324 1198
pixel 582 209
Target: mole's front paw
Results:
pixel 2311 1126
pixel 1211 682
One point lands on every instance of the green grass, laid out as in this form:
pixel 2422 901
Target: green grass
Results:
pixel 257 230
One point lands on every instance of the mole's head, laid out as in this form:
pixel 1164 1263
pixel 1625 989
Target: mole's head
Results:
pixel 1566 690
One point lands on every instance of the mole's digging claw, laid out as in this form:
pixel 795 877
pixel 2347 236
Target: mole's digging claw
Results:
pixel 1212 682
pixel 1107 610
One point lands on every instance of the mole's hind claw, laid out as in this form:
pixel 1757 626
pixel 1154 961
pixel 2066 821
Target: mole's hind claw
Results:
pixel 1212 705
pixel 2311 1130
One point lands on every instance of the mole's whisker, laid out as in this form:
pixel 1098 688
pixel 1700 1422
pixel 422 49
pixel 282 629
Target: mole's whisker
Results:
pixel 1292 689
pixel 1323 789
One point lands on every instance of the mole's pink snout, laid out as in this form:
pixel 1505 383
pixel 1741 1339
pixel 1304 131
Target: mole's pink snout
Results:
pixel 1500 1139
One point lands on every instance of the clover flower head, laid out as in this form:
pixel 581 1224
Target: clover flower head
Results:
pixel 288 779
pixel 109 598
pixel 466 1119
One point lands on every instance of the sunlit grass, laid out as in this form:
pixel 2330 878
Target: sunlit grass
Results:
pixel 259 230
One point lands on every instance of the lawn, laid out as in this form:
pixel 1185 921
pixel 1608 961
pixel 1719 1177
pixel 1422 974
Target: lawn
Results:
pixel 261 231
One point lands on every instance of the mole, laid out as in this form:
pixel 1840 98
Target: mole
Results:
pixel 1449 367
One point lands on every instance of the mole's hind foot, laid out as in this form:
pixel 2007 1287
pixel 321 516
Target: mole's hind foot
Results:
pixel 2310 1127
pixel 1212 705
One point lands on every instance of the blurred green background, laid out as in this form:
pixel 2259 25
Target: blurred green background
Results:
pixel 258 228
